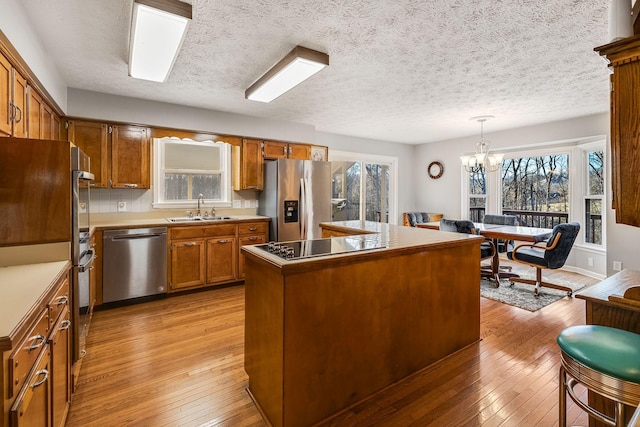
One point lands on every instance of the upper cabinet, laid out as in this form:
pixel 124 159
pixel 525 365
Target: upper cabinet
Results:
pixel 624 56
pixel 130 157
pixel 247 167
pixel 13 99
pixel 120 155
pixel 284 150
pixel 35 110
pixel 23 111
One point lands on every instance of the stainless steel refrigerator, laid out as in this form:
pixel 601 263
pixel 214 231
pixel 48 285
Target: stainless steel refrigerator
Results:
pixel 297 198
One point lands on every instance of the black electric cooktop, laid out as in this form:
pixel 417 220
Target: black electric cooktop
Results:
pixel 301 249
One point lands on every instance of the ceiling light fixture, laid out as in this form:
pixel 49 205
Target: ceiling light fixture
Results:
pixel 157 32
pixel 297 66
pixel 482 159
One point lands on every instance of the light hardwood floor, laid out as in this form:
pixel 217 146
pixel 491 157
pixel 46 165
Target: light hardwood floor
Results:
pixel 179 362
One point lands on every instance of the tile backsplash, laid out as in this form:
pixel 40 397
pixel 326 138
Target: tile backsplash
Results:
pixel 140 200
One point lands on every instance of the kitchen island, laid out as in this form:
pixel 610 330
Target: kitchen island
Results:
pixel 323 333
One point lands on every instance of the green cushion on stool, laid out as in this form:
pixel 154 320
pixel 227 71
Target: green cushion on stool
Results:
pixel 611 351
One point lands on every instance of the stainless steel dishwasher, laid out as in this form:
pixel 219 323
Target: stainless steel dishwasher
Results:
pixel 134 263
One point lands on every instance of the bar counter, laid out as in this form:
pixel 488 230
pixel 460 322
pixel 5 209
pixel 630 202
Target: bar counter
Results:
pixel 322 334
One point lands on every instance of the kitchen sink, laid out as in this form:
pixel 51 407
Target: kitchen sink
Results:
pixel 198 219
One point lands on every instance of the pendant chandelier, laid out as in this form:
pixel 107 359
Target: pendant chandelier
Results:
pixel 482 160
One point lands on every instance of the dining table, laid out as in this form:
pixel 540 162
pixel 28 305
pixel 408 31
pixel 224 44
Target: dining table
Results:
pixel 496 232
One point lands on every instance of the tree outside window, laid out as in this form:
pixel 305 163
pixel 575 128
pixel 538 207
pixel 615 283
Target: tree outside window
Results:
pixel 594 197
pixel 536 189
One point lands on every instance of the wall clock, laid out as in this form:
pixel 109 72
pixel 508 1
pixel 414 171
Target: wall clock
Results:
pixel 435 170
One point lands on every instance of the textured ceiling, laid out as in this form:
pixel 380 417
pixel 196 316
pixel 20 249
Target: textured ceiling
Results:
pixel 408 71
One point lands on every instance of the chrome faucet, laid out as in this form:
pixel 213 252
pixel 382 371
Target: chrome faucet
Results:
pixel 200 200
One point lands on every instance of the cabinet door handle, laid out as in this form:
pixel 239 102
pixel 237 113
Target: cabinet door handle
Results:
pixel 253 239
pixel 290 151
pixel 12 111
pixel 253 228
pixel 252 186
pixel 62 300
pixel 130 185
pixel 190 244
pixel 65 325
pixel 223 241
pixel 36 342
pixel 45 377
pixel 284 150
pixel 20 110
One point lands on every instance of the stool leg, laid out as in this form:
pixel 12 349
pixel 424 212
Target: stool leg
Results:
pixel 562 401
pixel 619 414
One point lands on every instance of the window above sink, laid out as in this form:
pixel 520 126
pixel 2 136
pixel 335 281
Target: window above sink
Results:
pixel 186 168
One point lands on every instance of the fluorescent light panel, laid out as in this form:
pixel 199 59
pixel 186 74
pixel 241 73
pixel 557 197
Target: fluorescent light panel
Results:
pixel 299 64
pixel 157 31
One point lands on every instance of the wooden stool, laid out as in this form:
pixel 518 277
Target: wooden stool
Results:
pixel 605 361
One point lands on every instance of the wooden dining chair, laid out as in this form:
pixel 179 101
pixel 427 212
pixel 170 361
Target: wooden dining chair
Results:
pixel 551 254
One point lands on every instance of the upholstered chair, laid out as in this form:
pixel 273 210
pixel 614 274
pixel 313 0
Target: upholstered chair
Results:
pixel 502 220
pixel 551 254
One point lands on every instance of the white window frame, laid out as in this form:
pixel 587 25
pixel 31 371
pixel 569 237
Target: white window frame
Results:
pixel 577 152
pixel 583 151
pixel 158 176
pixel 391 162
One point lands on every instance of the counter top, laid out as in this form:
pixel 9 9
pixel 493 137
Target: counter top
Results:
pixel 614 286
pixel 396 239
pixel 115 221
pixel 21 288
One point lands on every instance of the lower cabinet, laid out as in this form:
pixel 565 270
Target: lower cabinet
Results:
pixel 187 264
pixel 222 264
pixel 210 255
pixel 32 407
pixel 38 375
pixel 60 345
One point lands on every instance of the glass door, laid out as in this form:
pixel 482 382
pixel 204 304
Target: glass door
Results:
pixel 360 190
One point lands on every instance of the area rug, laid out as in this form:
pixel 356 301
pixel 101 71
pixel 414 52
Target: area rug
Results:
pixel 521 295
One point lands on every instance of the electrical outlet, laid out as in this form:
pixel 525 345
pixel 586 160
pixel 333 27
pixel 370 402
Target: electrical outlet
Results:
pixel 122 206
pixel 257 204
pixel 590 261
pixel 247 203
pixel 617 265
pixel 237 204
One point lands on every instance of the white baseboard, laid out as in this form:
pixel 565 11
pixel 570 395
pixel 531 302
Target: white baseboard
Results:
pixel 584 272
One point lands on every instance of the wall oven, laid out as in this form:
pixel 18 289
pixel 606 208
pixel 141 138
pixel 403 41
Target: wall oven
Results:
pixel 82 255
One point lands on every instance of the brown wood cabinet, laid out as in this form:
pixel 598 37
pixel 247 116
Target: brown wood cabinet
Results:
pixel 285 150
pixel 34 114
pixel 60 346
pixel 210 255
pixel 188 268
pixel 624 56
pixel 250 234
pixel 13 100
pixel 222 264
pixel 91 137
pixel 120 154
pixel 248 166
pixel 130 157
pixel 36 377
pixel 32 407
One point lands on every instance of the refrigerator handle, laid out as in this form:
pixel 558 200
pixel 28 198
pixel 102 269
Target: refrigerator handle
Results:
pixel 303 209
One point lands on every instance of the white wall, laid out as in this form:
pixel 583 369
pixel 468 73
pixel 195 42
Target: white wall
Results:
pixel 17 28
pixel 442 195
pixel 101 106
